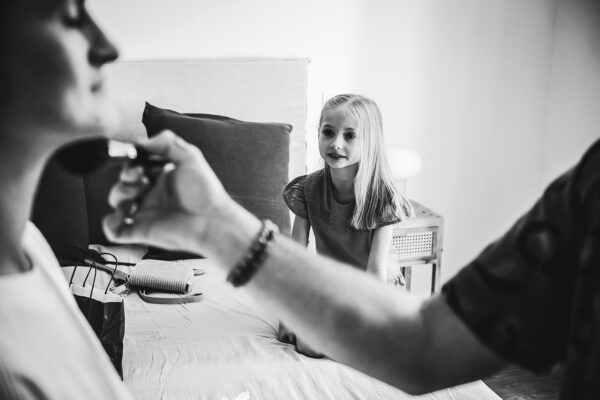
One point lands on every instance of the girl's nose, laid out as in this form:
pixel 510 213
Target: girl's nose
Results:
pixel 336 143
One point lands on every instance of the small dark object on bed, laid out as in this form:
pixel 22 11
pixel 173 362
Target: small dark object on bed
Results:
pixel 105 313
pixel 156 253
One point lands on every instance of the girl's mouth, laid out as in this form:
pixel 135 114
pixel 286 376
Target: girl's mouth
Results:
pixel 335 156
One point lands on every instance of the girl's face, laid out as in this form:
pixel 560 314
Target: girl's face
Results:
pixel 338 142
pixel 51 71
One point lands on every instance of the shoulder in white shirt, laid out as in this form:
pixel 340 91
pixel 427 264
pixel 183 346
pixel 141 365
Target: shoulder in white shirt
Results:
pixel 47 349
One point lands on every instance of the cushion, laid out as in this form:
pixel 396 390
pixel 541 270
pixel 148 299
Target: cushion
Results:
pixel 250 158
pixel 60 213
pixel 97 185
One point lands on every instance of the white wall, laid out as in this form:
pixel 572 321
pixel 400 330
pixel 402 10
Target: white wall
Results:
pixel 574 97
pixel 326 32
pixel 479 72
pixel 484 89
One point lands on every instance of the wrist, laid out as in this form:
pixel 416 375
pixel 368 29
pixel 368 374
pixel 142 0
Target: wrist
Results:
pixel 228 233
pixel 254 258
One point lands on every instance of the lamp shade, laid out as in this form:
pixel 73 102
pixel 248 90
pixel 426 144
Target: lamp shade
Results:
pixel 405 162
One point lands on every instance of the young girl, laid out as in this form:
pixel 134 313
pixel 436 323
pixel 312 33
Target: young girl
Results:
pixel 352 202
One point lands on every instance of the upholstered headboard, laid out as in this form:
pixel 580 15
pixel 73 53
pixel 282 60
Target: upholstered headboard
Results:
pixel 69 209
pixel 260 90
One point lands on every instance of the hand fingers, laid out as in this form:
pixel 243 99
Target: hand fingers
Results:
pixel 126 192
pixel 172 147
pixel 115 230
pixel 132 174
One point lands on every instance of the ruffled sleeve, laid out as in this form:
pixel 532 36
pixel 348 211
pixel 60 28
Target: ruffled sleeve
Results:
pixel 390 217
pixel 385 220
pixel 293 195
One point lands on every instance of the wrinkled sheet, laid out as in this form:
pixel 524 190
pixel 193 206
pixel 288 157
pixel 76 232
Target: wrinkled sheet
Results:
pixel 226 347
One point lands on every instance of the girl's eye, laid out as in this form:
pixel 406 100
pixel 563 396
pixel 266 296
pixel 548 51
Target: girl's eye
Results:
pixel 350 136
pixel 327 132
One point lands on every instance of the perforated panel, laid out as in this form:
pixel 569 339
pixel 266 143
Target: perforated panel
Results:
pixel 413 244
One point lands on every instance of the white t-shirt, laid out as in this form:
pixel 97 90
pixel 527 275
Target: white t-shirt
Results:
pixel 47 348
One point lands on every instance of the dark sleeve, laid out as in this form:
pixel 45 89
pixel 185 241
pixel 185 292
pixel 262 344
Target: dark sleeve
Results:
pixel 391 216
pixel 293 195
pixel 517 295
pixel 387 219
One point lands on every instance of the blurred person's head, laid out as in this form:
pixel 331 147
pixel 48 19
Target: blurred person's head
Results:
pixel 51 84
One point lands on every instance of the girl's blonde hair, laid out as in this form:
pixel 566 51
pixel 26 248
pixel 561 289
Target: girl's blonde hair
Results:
pixel 375 193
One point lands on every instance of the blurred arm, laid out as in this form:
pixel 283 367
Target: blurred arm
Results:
pixel 416 345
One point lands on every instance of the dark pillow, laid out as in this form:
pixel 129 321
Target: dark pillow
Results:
pixel 250 158
pixel 97 186
pixel 60 213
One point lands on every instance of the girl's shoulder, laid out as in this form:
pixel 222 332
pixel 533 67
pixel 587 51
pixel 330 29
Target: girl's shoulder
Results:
pixel 303 181
pixel 394 212
pixel 296 192
pixel 386 219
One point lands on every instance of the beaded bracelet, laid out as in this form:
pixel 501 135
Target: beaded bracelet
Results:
pixel 243 271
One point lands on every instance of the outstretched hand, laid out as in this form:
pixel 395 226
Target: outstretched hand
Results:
pixel 176 209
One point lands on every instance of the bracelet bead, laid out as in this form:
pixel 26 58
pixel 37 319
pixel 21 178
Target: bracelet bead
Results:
pixel 244 270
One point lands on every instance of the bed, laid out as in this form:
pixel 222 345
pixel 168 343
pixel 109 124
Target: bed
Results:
pixel 224 347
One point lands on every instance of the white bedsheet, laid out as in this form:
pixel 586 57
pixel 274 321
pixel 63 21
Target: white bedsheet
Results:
pixel 226 347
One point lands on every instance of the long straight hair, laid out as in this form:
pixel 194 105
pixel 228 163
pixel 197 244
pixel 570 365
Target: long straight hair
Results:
pixel 375 193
